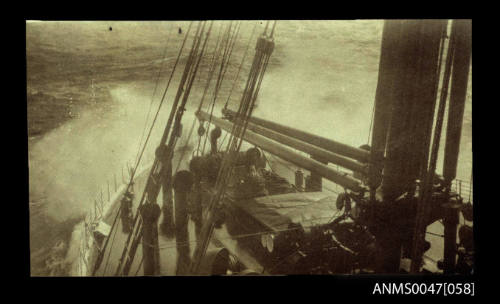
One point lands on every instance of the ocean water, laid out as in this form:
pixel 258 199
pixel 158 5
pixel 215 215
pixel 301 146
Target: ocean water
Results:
pixel 322 78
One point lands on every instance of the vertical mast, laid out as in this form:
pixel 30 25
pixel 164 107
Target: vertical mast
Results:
pixel 405 98
pixel 383 100
pixel 458 93
pixel 413 99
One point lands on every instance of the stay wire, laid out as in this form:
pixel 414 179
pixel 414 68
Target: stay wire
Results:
pixel 154 91
pixel 217 51
pixel 247 103
pixel 109 252
pixel 191 75
pixel 162 99
pixel 225 60
pixel 215 57
pixel 241 65
pixel 137 221
pixel 419 228
pixel 210 74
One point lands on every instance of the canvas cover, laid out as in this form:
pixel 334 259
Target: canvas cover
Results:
pixel 278 211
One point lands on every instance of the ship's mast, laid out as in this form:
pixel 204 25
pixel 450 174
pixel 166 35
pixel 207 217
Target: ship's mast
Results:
pixel 458 93
pixel 403 161
pixel 408 72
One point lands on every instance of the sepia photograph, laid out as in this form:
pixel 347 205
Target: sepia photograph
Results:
pixel 251 148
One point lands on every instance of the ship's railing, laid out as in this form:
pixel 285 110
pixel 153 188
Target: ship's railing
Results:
pixel 90 222
pixel 93 216
pixel 464 189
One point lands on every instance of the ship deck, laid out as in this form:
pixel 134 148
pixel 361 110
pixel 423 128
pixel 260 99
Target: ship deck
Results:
pixel 168 250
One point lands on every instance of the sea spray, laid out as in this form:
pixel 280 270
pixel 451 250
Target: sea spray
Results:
pixel 70 165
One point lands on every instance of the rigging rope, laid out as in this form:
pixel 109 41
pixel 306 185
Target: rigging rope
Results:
pixel 154 91
pixel 246 107
pixel 139 267
pixel 162 99
pixel 264 48
pixel 427 138
pixel 109 251
pixel 211 70
pixel 215 57
pixel 470 185
pixel 152 187
pixel 218 49
pixel 371 125
pixel 136 222
pixel 225 60
pixel 426 190
pixel 241 65
pixel 186 95
pixel 222 142
pixel 100 256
